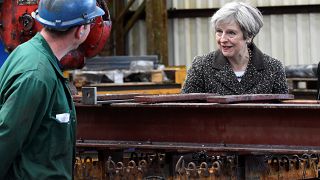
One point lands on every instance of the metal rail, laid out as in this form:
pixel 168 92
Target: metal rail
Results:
pixel 195 147
pixel 203 123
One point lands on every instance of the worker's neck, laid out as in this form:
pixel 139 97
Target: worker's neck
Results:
pixel 59 46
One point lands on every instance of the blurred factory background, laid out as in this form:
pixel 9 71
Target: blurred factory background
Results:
pixel 168 34
pixel 290 32
pixel 175 31
pixel 178 30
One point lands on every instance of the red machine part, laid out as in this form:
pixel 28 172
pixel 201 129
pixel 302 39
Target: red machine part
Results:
pixel 18 26
pixel 99 34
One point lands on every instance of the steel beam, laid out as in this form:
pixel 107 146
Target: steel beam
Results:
pixel 209 123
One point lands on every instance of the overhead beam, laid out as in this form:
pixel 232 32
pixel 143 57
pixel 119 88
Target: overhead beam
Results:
pixel 135 17
pixel 267 10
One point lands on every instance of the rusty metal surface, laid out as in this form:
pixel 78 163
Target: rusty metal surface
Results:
pixel 193 147
pixel 200 166
pixel 115 98
pixel 300 101
pixel 285 105
pixel 17 25
pixel 249 98
pixel 90 97
pixel 104 97
pixel 172 97
pixel 145 164
pixel 246 124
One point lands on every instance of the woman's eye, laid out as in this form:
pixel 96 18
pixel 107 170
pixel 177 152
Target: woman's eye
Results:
pixel 218 32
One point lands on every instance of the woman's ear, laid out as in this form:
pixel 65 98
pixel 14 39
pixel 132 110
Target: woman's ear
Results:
pixel 249 40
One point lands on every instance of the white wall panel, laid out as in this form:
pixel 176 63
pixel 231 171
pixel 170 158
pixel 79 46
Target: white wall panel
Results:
pixel 315 38
pixel 252 2
pixel 211 37
pixel 276 3
pixel 213 4
pixel 314 1
pixel 302 1
pixel 202 36
pixel 277 37
pixel 190 45
pixel 289 2
pixel 180 43
pixel 137 40
pixel 263 3
pixel 264 36
pixel 303 30
pixel 290 39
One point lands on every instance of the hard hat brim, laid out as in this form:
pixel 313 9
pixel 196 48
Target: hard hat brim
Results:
pixel 98 12
pixel 63 25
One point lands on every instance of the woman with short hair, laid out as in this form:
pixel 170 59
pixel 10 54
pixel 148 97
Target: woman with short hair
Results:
pixel 238 66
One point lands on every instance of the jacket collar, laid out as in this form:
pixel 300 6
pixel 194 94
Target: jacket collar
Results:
pixel 47 51
pixel 256 60
pixel 251 77
pixel 257 57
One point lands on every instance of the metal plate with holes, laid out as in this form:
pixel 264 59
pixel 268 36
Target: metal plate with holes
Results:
pixel 89 95
pixel 27 2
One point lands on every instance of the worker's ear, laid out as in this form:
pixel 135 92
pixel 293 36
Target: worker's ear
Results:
pixel 79 32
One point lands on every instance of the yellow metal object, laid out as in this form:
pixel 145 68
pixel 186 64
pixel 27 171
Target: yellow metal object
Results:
pixel 67 74
pixel 167 81
pixel 140 88
pixel 178 73
pixel 146 91
pixel 156 76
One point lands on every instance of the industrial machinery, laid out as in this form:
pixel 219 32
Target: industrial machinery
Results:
pixel 18 26
pixel 198 136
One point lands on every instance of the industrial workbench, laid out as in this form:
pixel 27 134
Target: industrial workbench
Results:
pixel 286 136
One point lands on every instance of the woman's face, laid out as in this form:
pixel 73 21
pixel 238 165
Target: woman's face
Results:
pixel 230 40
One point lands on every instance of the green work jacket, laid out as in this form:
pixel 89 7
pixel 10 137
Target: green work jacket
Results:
pixel 37 115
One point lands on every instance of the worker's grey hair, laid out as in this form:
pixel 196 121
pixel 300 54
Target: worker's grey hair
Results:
pixel 249 18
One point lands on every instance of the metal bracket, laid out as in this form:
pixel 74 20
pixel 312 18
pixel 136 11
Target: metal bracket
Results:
pixel 89 95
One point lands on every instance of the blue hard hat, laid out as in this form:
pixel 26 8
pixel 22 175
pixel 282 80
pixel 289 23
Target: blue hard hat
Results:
pixel 63 14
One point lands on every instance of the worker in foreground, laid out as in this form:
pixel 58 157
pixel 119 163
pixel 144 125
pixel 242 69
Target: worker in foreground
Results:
pixel 37 114
pixel 238 66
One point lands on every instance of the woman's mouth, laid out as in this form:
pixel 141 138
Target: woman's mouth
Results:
pixel 226 48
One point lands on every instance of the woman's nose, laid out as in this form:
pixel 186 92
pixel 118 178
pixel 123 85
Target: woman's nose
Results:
pixel 223 37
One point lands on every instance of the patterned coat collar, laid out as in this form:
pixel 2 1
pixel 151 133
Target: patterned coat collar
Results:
pixel 252 76
pixel 257 59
